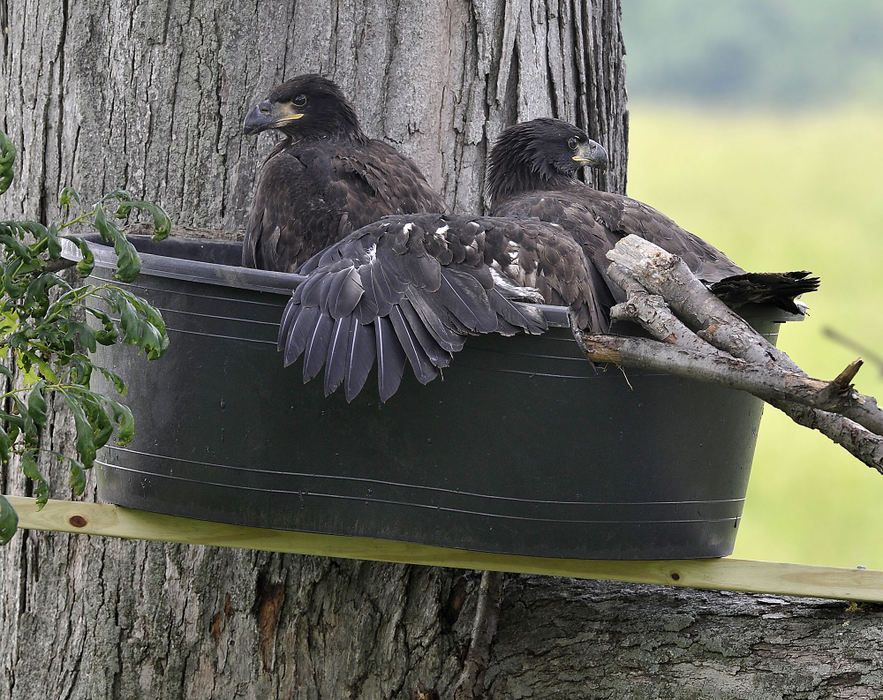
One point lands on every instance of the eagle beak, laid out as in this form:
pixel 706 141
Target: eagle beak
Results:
pixel 592 154
pixel 270 115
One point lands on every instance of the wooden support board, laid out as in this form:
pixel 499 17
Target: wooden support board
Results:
pixel 716 574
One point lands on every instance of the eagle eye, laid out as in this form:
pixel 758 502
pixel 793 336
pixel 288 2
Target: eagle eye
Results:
pixel 573 143
pixel 299 101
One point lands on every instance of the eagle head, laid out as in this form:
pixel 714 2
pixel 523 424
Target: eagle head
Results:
pixel 308 105
pixel 538 155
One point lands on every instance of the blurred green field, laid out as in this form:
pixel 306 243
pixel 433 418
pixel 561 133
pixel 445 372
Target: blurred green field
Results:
pixel 781 192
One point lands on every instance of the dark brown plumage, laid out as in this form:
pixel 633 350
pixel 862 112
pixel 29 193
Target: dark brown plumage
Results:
pixel 409 289
pixel 324 179
pixel 532 173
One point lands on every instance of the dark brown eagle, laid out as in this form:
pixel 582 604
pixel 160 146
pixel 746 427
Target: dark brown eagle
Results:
pixel 324 179
pixel 409 289
pixel 532 174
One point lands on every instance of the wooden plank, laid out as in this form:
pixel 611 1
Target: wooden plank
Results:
pixel 716 574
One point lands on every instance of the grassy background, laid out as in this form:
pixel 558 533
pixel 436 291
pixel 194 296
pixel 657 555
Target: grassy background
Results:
pixel 781 192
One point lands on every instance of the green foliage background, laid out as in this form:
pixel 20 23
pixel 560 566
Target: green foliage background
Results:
pixel 779 191
pixel 748 52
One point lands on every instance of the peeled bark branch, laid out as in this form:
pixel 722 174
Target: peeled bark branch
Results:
pixel 714 367
pixel 857 424
pixel 662 273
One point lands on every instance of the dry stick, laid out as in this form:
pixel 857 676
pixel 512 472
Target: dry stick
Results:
pixel 651 312
pixel 666 275
pixel 769 384
pixel 484 627
pixel 717 369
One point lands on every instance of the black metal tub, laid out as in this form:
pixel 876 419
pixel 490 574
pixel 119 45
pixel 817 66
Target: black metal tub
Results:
pixel 522 448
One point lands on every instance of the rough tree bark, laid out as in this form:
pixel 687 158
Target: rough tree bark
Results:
pixel 151 96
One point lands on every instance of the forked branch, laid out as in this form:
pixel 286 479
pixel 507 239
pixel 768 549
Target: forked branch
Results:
pixel 667 300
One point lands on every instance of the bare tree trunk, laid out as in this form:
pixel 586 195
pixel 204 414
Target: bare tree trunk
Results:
pixel 151 96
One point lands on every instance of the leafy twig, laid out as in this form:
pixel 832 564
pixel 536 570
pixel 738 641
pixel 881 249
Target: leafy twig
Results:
pixel 47 345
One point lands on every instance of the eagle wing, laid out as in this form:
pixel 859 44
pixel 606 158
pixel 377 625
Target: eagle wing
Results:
pixel 578 221
pixel 409 289
pixel 597 220
pixel 384 182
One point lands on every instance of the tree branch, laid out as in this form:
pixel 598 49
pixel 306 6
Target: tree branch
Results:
pixel 641 267
pixel 717 368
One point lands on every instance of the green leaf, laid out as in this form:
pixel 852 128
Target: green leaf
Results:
pixel 8 322
pixel 8 520
pixel 29 375
pixel 37 404
pixel 85 436
pixel 15 422
pixel 38 290
pixel 128 262
pixel 154 339
pixel 35 228
pixel 7 160
pixel 114 379
pixel 108 335
pixel 87 262
pixel 69 194
pixel 28 428
pixel 162 224
pixel 52 242
pixel 10 236
pixel 80 369
pixel 120 194
pixel 84 334
pixel 125 421
pixel 29 467
pixel 78 476
pixel 5 444
pixel 94 407
pixel 43 371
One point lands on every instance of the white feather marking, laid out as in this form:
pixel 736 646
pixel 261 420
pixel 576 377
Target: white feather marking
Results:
pixel 512 251
pixel 407 227
pixel 371 253
pixel 499 279
pixel 515 291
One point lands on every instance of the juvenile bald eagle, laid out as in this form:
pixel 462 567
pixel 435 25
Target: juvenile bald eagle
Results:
pixel 409 289
pixel 532 173
pixel 324 179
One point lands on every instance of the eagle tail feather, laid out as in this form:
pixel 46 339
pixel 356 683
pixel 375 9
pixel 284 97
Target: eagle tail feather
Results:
pixel 779 289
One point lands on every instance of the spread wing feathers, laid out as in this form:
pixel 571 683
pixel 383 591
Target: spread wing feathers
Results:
pixel 407 290
pixel 776 288
pixel 360 356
